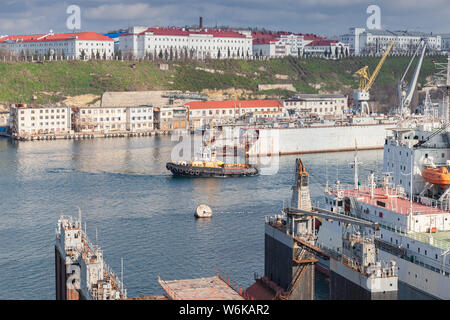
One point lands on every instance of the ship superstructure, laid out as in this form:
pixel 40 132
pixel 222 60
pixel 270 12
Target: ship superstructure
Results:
pixel 411 203
pixel 80 270
pixel 292 251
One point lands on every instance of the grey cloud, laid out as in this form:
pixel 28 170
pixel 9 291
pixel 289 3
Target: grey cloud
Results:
pixel 319 16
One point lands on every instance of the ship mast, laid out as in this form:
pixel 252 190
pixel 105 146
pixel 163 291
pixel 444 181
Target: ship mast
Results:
pixel 355 166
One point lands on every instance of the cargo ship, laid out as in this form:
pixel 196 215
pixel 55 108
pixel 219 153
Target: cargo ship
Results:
pixel 411 203
pixel 202 168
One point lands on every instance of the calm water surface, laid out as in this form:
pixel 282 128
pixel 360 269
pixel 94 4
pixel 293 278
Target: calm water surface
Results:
pixel 141 213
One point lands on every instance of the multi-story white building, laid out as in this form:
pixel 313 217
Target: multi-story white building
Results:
pixel 140 118
pixel 35 120
pixel 445 41
pixel 281 44
pixel 320 104
pixel 100 119
pixel 333 48
pixel 202 112
pixel 179 42
pixel 71 45
pixel 169 118
pixel 362 41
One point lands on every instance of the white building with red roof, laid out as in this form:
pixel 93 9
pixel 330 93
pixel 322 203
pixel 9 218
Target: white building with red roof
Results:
pixel 71 45
pixel 281 44
pixel 333 48
pixel 202 112
pixel 178 42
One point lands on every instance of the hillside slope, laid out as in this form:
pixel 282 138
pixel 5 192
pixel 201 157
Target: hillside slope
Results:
pixel 55 81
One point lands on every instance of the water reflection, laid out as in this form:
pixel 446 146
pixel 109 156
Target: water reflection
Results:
pixel 140 211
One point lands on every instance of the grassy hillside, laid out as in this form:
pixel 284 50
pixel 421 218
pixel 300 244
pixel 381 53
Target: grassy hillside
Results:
pixel 53 81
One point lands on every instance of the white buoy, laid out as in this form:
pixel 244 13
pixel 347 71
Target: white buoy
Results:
pixel 203 211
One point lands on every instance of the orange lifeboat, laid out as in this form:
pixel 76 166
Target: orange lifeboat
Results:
pixel 439 176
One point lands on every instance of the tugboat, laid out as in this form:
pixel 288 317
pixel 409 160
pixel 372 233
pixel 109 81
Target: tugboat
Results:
pixel 209 166
pixel 202 168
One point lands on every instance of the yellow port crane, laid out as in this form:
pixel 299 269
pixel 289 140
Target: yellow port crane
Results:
pixel 366 81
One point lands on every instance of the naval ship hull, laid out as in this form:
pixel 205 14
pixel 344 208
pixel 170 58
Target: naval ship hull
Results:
pixel 194 171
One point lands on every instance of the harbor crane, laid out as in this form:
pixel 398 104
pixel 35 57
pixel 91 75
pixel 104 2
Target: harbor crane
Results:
pixel 405 93
pixel 366 81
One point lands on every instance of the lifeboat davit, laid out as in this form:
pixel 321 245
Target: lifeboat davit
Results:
pixel 439 176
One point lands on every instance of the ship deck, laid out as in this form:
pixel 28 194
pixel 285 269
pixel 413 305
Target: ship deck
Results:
pixel 441 239
pixel 212 288
pixel 392 202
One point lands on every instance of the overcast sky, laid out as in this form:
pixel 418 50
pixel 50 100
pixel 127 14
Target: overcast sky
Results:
pixel 328 17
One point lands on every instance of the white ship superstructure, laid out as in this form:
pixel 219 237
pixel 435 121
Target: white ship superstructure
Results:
pixel 81 272
pixel 412 212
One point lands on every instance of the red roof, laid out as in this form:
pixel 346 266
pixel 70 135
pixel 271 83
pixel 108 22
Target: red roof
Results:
pixel 266 38
pixel 233 104
pixel 58 37
pixel 180 32
pixel 321 43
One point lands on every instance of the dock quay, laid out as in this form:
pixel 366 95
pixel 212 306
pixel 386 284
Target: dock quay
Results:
pixel 218 287
pixel 84 136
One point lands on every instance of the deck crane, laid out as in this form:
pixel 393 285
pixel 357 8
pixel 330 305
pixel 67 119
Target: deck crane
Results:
pixel 366 81
pixel 405 96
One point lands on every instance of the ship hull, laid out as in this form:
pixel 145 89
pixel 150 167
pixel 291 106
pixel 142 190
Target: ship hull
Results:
pixel 191 171
pixel 289 141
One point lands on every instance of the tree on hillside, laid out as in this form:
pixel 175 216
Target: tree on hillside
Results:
pixel 228 55
pixel 97 55
pixel 171 54
pixel 83 54
pixel 160 54
pixel 218 54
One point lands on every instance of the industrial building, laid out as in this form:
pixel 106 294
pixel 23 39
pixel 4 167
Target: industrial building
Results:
pixel 70 45
pixel 108 119
pixel 202 112
pixel 30 120
pixel 320 104
pixel 362 41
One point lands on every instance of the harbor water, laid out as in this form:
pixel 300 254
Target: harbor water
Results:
pixel 136 210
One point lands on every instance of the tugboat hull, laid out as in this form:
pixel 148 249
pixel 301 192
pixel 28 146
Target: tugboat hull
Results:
pixel 194 171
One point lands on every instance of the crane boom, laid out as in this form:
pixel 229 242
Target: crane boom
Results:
pixel 366 81
pixel 412 85
pixel 378 68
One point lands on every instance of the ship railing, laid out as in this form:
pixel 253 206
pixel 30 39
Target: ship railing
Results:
pixel 120 286
pixel 233 284
pixel 428 238
pixel 442 269
pixel 415 235
pixel 438 204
